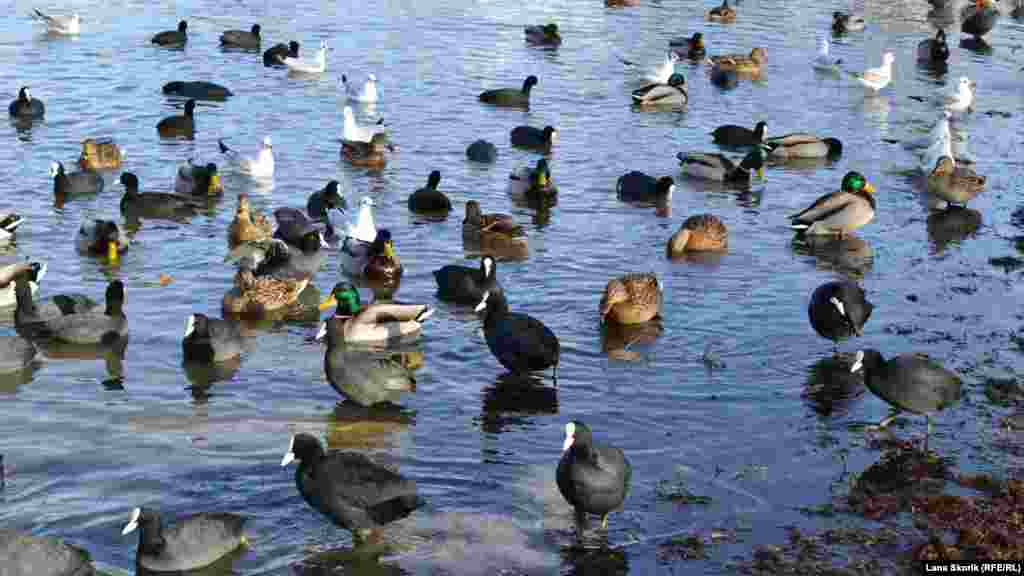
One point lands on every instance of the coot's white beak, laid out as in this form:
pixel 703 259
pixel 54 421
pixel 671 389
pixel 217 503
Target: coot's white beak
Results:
pixel 570 436
pixel 289 456
pixel 133 523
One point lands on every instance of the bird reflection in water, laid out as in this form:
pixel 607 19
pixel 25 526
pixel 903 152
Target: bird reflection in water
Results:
pixel 501 248
pixel 584 560
pixel 10 381
pixel 952 225
pixel 353 426
pixel 618 340
pixel 202 376
pixel 112 353
pixel 224 566
pixel 849 255
pixel 831 389
pixel 512 399
pixel 360 560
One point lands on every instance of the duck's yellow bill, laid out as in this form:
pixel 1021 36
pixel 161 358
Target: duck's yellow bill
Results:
pixel 329 302
pixel 542 180
pixel 215 185
pixel 113 251
pixel 760 172
pixel 869 188
pixel 389 250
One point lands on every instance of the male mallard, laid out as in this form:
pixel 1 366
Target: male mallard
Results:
pixel 694 46
pixel 843 23
pixel 546 35
pixel 672 93
pixel 840 212
pixel 533 185
pixel 258 295
pixel 750 64
pixel 248 225
pixel 373 323
pixel 479 226
pixel 699 233
pixel 534 138
pixel 720 168
pixel 803 145
pixel 954 184
pixel 514 97
pixel 102 238
pixel 376 261
pixel 367 154
pixel 740 136
pixel 631 299
pixel 198 180
pixel 723 13
pixel 430 200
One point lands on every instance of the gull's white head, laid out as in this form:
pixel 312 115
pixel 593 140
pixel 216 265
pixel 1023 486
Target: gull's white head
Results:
pixel 347 113
pixel 367 202
pixel 267 143
pixel 289 456
pixel 54 168
pixel 888 58
pixel 570 436
pixel 133 522
pixel 372 78
pixel 190 324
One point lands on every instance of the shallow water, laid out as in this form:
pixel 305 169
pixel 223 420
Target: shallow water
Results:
pixel 759 435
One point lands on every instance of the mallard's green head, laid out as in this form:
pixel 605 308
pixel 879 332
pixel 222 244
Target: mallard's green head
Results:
pixel 854 182
pixel 345 297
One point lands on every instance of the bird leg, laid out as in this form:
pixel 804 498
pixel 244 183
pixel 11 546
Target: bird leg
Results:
pixel 884 423
pixel 604 522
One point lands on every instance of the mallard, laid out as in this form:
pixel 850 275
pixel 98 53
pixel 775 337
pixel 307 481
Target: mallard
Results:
pixel 32 272
pixel 376 262
pixel 465 285
pixel 198 180
pixel 843 23
pixel 546 35
pixel 153 204
pixel 750 64
pixel 478 226
pixel 367 154
pixel 275 55
pixel 248 225
pixel 694 46
pixel 375 322
pixel 533 185
pixel 954 184
pixel 321 201
pixel 803 145
pixel 593 478
pixel 723 13
pixel 933 50
pixel 699 233
pixel 978 18
pixel 102 154
pixel 673 93
pixel 631 299
pixel 102 238
pixel 740 136
pixel 636 186
pixel 242 39
pixel 65 184
pixel 717 167
pixel 534 138
pixel 514 97
pixel 429 199
pixel 173 37
pixel 25 106
pixel 840 212
pixel 179 126
pixel 254 295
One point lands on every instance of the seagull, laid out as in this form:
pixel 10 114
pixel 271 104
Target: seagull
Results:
pixel 66 25
pixel 942 146
pixel 823 61
pixel 941 126
pixel 366 93
pixel 876 78
pixel 260 167
pixel 352 131
pixel 961 97
pixel 315 66
pixel 665 71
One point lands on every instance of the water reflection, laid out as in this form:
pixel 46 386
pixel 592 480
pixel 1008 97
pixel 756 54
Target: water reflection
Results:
pixel 222 567
pixel 202 375
pixel 353 426
pixel 503 249
pixel 876 107
pixel 10 381
pixel 851 256
pixel 112 355
pixel 585 561
pixel 342 561
pixel 952 225
pixel 618 340
pixel 512 399
pixel 831 389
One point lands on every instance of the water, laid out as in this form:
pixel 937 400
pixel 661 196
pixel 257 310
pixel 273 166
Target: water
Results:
pixel 754 431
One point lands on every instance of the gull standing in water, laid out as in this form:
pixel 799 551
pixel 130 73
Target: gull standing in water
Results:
pixel 824 61
pixel 65 25
pixel 260 167
pixel 876 78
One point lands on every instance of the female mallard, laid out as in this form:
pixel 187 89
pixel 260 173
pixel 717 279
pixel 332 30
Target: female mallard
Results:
pixel 430 200
pixel 631 299
pixel 954 184
pixel 513 97
pixel 248 225
pixel 750 64
pixel 546 35
pixel 102 238
pixel 153 204
pixel 843 23
pixel 933 50
pixel 65 184
pixel 102 154
pixel 840 212
pixel 740 136
pixel 636 186
pixel 719 168
pixel 723 13
pixel 699 233
pixel 478 226
pixel 533 185
pixel 367 154
pixel 534 138
pixel 673 93
pixel 375 322
pixel 692 47
pixel 198 180
pixel 260 295
pixel 803 145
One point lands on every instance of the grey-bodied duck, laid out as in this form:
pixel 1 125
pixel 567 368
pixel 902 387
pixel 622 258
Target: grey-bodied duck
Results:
pixel 839 212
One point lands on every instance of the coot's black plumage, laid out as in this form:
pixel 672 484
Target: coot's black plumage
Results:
pixel 519 341
pixel 839 310
pixel 594 478
pixel 465 285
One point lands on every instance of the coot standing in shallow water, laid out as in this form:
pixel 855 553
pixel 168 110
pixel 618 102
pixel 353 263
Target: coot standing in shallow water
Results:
pixel 594 478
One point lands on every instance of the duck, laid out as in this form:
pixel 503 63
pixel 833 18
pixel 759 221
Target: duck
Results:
pixel 875 79
pixel 635 186
pixel 102 238
pixel 208 340
pixel 172 37
pixel 303 66
pixel 300 261
pixel 699 233
pixel 65 184
pixel 978 18
pixel 197 89
pixel 520 342
pixel 259 295
pixel 747 64
pixel 838 310
pixel 592 477
pixel 321 201
pixel 954 184
pixel 153 204
pixel 534 138
pixel 366 94
pixel 694 45
pixel 31 272
pixel 533 185
pixel 262 166
pixel 348 488
pixel 24 554
pixel 92 327
pixel 241 39
pixel 179 126
pixel 249 225
pixel 465 285
pixel 367 154
pixel 823 61
pixel 908 382
pixel 198 180
pixel 511 97
pixel 377 263
pixel 664 72
pixel 672 93
pixel 840 212
pixel 477 226
pixel 429 199
pixel 377 322
pixel 933 50
pixel 60 25
pixel 352 131
pixel 740 136
pixel 100 154
pixel 25 106
pixel 482 151
pixel 546 35
pixel 192 542
pixel 803 145
pixel 710 166
pixel 723 13
pixel 631 299
pixel 843 22
pixel 274 56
